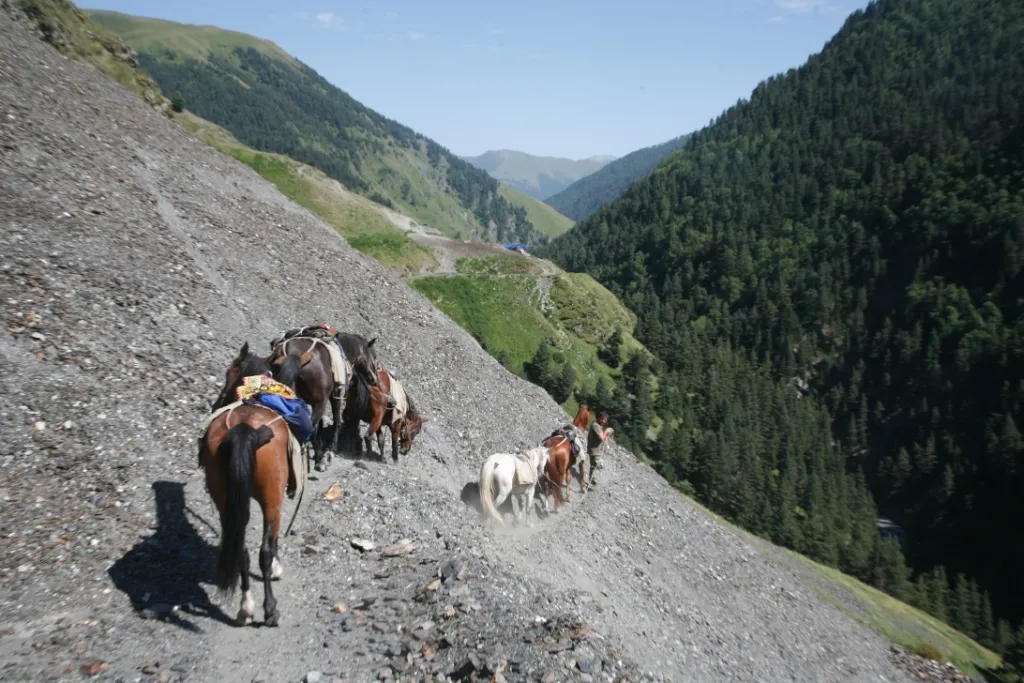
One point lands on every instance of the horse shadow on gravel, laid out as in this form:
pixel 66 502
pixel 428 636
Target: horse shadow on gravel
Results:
pixel 163 574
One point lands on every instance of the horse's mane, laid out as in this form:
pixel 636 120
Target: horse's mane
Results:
pixel 253 365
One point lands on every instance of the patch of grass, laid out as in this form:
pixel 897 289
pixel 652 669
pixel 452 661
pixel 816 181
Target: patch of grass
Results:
pixel 500 312
pixel 545 218
pixel 188 40
pixel 503 312
pixel 589 310
pixel 513 264
pixel 77 36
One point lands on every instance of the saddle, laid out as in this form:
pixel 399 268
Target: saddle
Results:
pixel 526 475
pixel 319 331
pixel 571 434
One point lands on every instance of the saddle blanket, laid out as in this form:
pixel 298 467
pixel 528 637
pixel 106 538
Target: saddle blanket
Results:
pixel 401 406
pixel 298 468
pixel 266 391
pixel 526 475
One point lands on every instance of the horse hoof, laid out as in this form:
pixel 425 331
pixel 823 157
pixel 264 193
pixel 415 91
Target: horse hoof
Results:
pixel 320 467
pixel 242 618
pixel 276 570
pixel 272 619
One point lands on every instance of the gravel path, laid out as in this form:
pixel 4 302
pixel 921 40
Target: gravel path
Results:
pixel 135 262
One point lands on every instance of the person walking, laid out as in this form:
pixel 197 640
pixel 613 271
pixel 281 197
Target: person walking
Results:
pixel 596 436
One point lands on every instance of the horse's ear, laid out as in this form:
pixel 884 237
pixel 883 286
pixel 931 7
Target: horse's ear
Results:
pixel 370 343
pixel 279 361
pixel 305 358
pixel 242 354
pixel 263 436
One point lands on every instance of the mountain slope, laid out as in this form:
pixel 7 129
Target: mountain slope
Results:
pixel 857 226
pixel 584 196
pixel 544 218
pixel 540 177
pixel 273 103
pixel 111 363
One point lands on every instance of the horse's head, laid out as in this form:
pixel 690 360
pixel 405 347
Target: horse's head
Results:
pixel 244 365
pixel 287 368
pixel 411 427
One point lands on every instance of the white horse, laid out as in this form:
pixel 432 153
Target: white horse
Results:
pixel 511 473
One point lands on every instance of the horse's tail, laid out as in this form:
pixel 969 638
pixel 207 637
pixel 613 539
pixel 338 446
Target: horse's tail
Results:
pixel 486 485
pixel 238 453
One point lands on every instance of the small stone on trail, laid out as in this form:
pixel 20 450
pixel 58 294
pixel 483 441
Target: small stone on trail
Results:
pixel 403 547
pixel 338 608
pixel 362 545
pixel 312 677
pixel 333 493
pixel 40 426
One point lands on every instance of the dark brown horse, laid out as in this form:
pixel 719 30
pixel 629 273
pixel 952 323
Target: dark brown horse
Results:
pixel 245 454
pixel 557 472
pixel 372 405
pixel 317 386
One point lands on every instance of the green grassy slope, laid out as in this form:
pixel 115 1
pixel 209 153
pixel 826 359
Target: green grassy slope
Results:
pixel 538 176
pixel 543 217
pixel 272 102
pixel 513 305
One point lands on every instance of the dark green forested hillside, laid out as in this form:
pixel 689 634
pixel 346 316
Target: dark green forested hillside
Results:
pixel 584 196
pixel 272 102
pixel 853 234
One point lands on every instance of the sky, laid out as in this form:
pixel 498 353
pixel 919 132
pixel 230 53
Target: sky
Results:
pixel 564 78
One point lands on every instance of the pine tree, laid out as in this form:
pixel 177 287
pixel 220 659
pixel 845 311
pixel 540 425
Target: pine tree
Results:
pixel 985 630
pixel 938 594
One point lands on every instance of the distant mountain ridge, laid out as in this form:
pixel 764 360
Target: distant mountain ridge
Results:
pixel 538 176
pixel 583 197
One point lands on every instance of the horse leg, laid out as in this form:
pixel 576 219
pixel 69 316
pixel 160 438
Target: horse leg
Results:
pixel 268 559
pixel 247 606
pixel 336 413
pixel 394 442
pixel 529 507
pixel 504 489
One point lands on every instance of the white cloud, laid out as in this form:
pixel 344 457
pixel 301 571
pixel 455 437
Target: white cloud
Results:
pixel 777 19
pixel 391 14
pixel 329 19
pixel 415 35
pixel 801 6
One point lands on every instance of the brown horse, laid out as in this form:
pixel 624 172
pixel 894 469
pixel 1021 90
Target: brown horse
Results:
pixel 245 454
pixel 557 471
pixel 372 405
